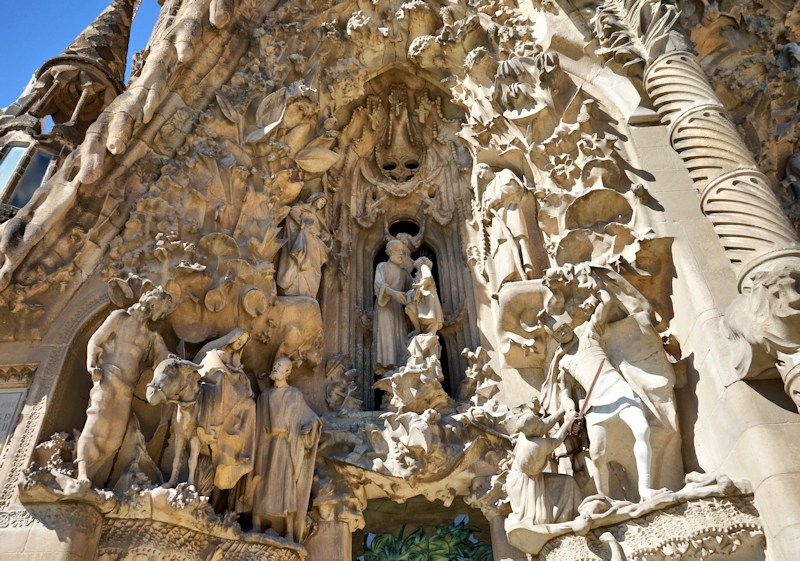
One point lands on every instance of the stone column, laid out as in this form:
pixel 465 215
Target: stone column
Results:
pixel 754 441
pixel 735 196
pixel 332 541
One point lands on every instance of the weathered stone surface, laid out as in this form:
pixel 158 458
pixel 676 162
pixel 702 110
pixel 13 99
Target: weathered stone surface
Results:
pixel 519 261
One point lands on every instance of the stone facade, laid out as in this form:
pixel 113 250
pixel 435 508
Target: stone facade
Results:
pixel 335 278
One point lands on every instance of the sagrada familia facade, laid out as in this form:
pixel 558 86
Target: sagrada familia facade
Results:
pixel 421 280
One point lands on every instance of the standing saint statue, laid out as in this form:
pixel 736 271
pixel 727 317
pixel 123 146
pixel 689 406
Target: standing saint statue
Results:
pixel 306 251
pixel 424 308
pixel 288 434
pixel 507 229
pixel 392 281
pixel 117 353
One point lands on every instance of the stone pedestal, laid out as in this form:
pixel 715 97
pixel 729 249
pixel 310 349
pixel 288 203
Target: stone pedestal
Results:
pixel 64 532
pixel 332 541
pixel 501 549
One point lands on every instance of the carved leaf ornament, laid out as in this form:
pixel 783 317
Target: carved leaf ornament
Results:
pixel 633 31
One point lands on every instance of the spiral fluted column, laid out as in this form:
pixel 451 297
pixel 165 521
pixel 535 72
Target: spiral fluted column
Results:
pixel 736 196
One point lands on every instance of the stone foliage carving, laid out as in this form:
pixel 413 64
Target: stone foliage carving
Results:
pixel 417 385
pixel 695 530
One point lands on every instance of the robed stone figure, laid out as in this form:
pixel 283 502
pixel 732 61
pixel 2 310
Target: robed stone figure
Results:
pixel 288 434
pixel 227 413
pixel 392 281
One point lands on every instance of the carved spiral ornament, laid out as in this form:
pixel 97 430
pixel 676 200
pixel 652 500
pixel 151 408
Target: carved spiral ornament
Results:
pixel 709 144
pixel 736 196
pixel 747 218
pixel 675 83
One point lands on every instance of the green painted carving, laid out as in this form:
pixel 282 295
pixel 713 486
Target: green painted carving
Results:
pixel 448 543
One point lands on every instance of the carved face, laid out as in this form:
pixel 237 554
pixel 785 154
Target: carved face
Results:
pixel 156 304
pixel 281 369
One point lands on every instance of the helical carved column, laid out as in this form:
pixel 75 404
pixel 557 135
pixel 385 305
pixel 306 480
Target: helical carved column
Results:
pixel 736 196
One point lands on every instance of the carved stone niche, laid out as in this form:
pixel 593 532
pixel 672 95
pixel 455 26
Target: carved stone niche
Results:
pixel 403 171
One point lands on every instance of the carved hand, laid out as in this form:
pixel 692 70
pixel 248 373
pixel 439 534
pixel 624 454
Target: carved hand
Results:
pixel 113 130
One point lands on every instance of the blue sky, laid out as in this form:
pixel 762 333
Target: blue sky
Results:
pixel 33 31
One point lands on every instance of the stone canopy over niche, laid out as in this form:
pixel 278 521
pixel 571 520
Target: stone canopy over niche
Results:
pixel 404 174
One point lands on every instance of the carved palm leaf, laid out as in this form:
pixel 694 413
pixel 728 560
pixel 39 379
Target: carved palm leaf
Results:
pixel 633 31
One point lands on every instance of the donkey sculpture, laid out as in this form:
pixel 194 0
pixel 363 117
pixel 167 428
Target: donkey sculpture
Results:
pixel 179 381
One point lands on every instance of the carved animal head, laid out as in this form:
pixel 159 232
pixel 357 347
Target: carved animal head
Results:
pixel 174 379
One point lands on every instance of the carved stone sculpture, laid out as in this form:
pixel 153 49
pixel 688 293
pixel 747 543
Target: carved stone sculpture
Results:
pixel 610 397
pixel 764 323
pixel 215 410
pixel 228 413
pixel 417 385
pixel 307 248
pixel 178 381
pixel 506 227
pixel 389 330
pixel 423 307
pixel 412 243
pixel 538 497
pixel 255 166
pixel 341 390
pixel 122 347
pixel 288 433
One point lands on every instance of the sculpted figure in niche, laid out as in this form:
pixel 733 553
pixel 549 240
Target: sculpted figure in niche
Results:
pixel 307 248
pixel 610 398
pixel 117 353
pixel 537 497
pixel 389 324
pixel 288 434
pixel 511 259
pixel 227 413
pixel 424 308
pixel 412 243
